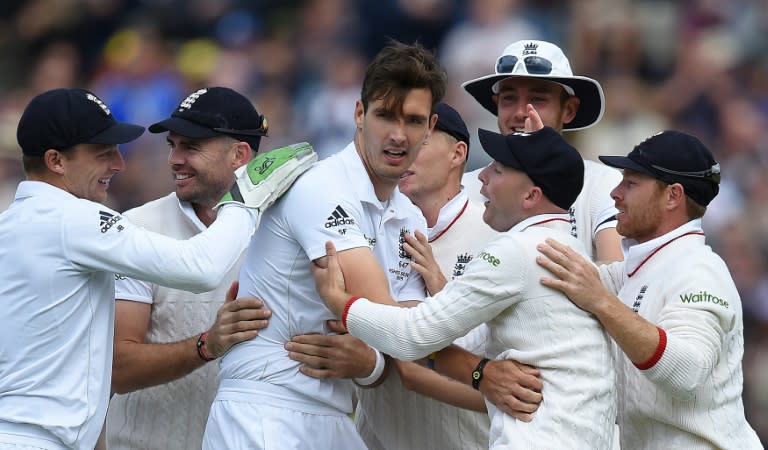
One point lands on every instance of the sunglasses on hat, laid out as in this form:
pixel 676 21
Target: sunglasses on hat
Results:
pixel 712 174
pixel 261 131
pixel 534 65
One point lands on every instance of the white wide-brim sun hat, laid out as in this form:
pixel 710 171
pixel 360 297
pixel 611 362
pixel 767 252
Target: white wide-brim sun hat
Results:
pixel 541 59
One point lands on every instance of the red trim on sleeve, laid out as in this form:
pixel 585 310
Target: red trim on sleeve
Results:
pixel 346 309
pixel 657 354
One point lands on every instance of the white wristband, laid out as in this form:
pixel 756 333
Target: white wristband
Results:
pixel 378 369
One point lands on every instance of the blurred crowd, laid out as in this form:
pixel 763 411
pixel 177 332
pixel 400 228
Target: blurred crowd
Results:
pixel 700 66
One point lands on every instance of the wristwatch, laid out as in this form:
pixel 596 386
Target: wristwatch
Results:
pixel 477 374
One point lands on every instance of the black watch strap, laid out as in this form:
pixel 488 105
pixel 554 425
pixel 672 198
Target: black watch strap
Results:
pixel 477 374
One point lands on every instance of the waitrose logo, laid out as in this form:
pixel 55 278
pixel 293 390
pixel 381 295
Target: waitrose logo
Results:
pixel 703 296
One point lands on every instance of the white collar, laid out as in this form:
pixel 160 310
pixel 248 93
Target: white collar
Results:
pixel 30 188
pixel 361 183
pixel 189 211
pixel 551 221
pixel 448 214
pixel 635 254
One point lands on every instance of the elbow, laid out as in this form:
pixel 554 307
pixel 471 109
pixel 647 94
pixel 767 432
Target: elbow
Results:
pixel 121 384
pixel 689 384
pixel 204 281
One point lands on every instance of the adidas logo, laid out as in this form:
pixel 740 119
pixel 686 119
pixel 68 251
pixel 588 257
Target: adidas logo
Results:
pixel 106 220
pixel 339 217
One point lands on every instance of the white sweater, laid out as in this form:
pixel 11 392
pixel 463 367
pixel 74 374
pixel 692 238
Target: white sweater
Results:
pixel 390 417
pixel 691 398
pixel 528 323
pixel 169 416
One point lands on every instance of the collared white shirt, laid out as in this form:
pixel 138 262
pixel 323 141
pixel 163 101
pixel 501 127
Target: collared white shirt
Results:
pixel 334 200
pixel 59 257
pixel 691 396
pixel 528 322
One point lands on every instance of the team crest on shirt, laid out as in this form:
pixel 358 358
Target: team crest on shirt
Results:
pixel 572 218
pixel 107 220
pixel 402 271
pixel 461 265
pixel 639 298
pixel 401 240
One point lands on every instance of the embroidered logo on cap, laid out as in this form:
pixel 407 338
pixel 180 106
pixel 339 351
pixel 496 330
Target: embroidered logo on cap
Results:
pixel 98 101
pixel 191 99
pixel 530 48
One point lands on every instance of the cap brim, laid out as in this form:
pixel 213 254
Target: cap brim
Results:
pixel 119 133
pixel 183 127
pixel 623 162
pixel 495 145
pixel 589 92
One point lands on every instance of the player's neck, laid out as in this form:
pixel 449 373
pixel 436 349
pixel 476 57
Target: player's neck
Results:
pixel 206 214
pixel 431 204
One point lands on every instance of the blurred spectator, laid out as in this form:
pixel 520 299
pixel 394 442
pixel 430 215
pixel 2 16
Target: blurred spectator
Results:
pixel 328 104
pixel 628 119
pixel 467 52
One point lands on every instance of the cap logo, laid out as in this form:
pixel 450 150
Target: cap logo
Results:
pixel 530 48
pixel 98 101
pixel 191 99
pixel 521 133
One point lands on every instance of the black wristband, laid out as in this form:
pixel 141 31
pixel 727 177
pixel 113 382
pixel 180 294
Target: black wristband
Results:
pixel 477 374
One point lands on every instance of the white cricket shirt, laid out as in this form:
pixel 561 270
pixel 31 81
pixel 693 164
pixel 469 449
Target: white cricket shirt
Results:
pixel 59 257
pixel 691 397
pixel 169 416
pixel 392 417
pixel 529 323
pixel 334 201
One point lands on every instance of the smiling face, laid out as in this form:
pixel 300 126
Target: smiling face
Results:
pixel 440 161
pixel 388 141
pixel 203 168
pixel 640 201
pixel 87 169
pixel 506 190
pixel 546 97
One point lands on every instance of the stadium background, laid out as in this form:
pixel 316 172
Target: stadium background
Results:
pixel 696 65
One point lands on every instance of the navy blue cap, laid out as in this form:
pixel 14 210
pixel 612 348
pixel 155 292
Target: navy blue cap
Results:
pixel 550 162
pixel 63 118
pixel 216 111
pixel 449 121
pixel 674 157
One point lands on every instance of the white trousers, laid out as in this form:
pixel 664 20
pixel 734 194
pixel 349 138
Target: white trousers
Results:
pixel 239 421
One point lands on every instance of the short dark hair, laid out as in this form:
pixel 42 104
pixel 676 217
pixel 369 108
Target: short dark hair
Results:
pixel 32 164
pixel 35 164
pixel 399 68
